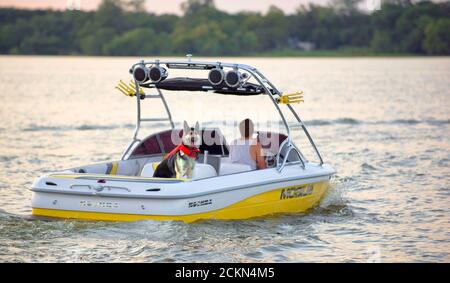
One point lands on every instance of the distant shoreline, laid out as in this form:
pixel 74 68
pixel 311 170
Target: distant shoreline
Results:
pixel 284 53
pixel 313 54
pixel 117 29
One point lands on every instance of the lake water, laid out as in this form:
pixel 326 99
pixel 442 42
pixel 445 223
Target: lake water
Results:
pixel 383 123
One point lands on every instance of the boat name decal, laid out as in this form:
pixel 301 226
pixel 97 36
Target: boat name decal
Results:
pixel 200 203
pixel 99 204
pixel 296 192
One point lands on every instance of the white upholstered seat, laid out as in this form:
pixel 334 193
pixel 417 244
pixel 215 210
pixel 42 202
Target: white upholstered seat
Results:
pixel 200 171
pixel 230 168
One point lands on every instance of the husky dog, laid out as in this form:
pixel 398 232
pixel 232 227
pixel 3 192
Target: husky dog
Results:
pixel 180 162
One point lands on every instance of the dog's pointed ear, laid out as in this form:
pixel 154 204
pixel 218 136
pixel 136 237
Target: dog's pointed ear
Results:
pixel 186 127
pixel 197 127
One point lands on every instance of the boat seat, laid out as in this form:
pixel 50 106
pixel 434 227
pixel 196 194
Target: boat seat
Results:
pixel 231 168
pixel 110 168
pixel 213 160
pixel 200 171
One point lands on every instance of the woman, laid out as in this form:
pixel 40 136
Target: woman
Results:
pixel 246 149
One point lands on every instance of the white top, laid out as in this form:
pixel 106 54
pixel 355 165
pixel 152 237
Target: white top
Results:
pixel 240 152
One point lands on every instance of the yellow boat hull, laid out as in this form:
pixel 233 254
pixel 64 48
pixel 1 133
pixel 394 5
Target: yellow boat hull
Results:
pixel 283 200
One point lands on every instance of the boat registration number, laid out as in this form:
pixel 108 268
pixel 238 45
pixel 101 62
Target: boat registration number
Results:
pixel 100 204
pixel 296 192
pixel 200 203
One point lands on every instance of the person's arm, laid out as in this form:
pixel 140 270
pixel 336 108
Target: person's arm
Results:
pixel 257 156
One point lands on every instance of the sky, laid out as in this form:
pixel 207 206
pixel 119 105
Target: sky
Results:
pixel 165 6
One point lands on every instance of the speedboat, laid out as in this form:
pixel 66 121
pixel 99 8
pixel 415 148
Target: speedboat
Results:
pixel 125 189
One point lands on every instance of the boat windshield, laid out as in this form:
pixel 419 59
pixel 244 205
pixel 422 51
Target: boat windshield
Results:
pixel 212 141
pixel 165 141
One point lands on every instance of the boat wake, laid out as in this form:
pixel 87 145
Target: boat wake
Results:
pixel 335 202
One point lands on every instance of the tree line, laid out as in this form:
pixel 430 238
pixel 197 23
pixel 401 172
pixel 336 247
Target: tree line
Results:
pixel 123 27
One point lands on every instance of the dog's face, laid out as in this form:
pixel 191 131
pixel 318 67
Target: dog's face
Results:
pixel 191 136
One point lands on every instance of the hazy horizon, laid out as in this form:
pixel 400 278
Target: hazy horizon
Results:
pixel 161 7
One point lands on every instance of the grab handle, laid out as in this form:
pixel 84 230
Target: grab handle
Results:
pixel 99 188
pixel 205 157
